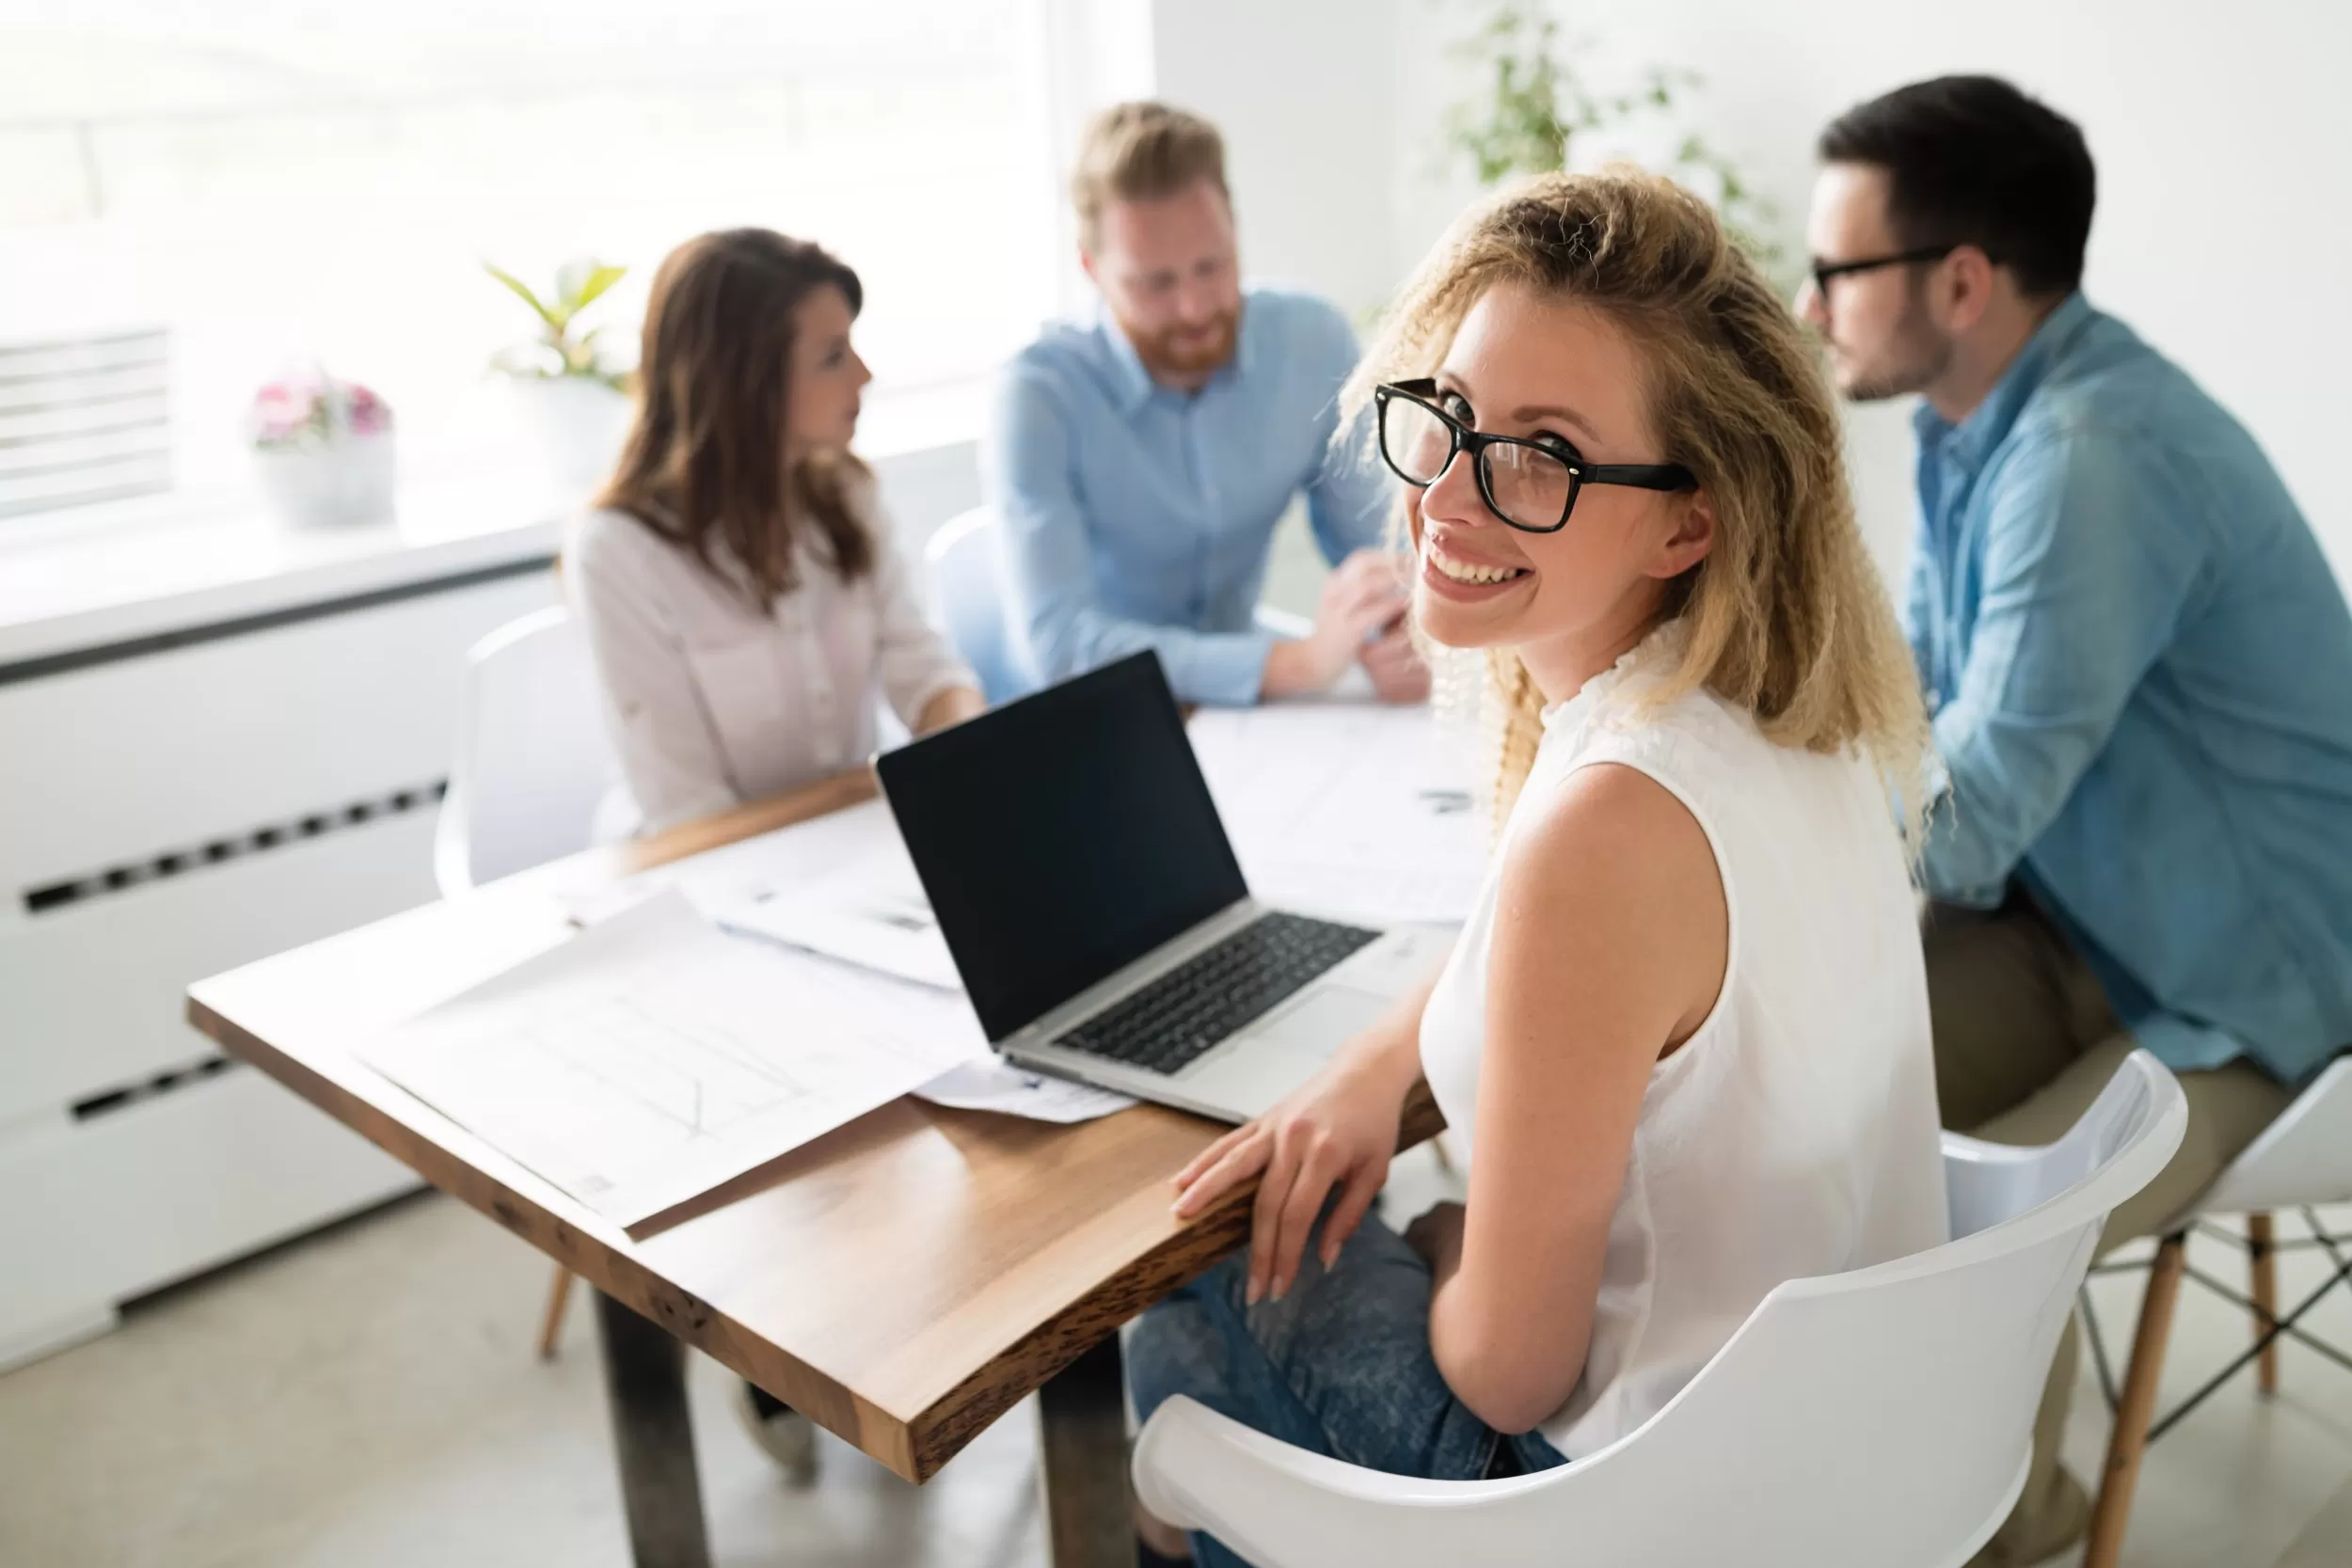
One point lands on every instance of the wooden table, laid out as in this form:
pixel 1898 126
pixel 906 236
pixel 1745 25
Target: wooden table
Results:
pixel 903 1281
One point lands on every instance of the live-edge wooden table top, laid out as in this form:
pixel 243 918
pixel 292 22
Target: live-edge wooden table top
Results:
pixel 903 1280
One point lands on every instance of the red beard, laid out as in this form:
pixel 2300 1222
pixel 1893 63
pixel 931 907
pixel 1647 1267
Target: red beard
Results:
pixel 1162 354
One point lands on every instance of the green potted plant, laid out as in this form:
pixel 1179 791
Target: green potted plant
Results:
pixel 576 401
pixel 1536 103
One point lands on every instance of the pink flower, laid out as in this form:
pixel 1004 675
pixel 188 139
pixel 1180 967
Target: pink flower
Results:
pixel 300 410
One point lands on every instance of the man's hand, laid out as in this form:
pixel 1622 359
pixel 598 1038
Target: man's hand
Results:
pixel 1398 675
pixel 1360 597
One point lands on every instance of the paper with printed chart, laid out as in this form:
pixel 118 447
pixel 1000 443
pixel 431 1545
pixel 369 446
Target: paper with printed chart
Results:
pixel 826 852
pixel 652 1057
pixel 1357 810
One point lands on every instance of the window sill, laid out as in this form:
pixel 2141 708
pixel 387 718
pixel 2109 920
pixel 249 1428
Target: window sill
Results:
pixel 114 573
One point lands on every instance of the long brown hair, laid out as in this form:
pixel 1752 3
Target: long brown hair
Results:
pixel 703 464
pixel 1786 616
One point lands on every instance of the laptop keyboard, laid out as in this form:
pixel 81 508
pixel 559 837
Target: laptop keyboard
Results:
pixel 1167 1024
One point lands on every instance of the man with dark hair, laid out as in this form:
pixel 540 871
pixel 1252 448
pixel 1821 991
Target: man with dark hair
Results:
pixel 2140 665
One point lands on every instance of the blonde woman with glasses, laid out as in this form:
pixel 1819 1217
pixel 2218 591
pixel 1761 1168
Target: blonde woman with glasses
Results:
pixel 1684 1035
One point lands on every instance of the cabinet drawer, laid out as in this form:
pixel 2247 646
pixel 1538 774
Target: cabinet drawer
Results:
pixel 162 753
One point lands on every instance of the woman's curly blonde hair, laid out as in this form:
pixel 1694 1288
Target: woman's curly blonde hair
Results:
pixel 1786 616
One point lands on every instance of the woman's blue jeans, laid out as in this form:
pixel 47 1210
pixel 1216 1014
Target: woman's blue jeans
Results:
pixel 1341 1365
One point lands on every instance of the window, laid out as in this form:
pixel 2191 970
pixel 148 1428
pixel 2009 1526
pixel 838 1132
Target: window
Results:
pixel 284 181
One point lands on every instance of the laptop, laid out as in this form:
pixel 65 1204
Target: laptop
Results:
pixel 1100 923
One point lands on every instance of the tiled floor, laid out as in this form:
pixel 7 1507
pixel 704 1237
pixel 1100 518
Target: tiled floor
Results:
pixel 369 1397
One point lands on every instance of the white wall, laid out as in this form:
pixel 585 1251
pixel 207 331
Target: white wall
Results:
pixel 2223 137
pixel 1303 91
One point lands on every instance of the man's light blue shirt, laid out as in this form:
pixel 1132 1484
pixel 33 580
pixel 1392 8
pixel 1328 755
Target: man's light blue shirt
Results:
pixel 1137 516
pixel 2141 669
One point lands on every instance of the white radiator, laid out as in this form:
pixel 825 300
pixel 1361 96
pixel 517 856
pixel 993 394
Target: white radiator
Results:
pixel 169 810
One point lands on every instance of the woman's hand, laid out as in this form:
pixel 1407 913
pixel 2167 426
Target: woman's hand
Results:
pixel 1338 1130
pixel 951 706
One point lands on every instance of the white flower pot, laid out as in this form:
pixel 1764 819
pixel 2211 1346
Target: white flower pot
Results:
pixel 349 481
pixel 580 425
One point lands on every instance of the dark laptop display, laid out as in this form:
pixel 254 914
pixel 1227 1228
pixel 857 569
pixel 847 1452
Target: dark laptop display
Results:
pixel 1061 837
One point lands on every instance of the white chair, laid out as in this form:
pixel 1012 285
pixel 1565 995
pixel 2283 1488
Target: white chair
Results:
pixel 2302 1160
pixel 533 765
pixel 1875 1419
pixel 968 597
pixel 533 762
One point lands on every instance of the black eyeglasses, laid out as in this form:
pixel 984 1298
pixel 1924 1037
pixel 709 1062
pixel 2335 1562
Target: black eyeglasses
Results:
pixel 1531 485
pixel 1824 271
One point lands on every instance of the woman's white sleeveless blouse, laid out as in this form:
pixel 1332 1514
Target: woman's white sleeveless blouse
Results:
pixel 1795 1133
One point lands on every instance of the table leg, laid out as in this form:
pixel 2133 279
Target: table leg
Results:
pixel 644 1386
pixel 1090 1520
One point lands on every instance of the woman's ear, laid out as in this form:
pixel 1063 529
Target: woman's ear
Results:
pixel 1693 535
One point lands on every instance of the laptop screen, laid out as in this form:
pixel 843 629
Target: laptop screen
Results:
pixel 1061 837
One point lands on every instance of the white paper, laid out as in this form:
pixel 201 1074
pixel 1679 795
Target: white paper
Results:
pixel 992 1084
pixel 651 1057
pixel 870 913
pixel 803 852
pixel 1357 810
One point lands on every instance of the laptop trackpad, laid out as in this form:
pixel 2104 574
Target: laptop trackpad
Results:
pixel 1323 1019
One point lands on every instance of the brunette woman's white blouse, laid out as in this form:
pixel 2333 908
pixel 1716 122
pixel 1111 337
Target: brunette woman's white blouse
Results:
pixel 1795 1133
pixel 712 700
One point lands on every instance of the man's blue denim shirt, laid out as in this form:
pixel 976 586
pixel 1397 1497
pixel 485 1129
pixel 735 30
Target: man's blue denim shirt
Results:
pixel 2140 668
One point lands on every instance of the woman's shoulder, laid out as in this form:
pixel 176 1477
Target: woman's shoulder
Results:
pixel 603 538
pixel 1717 754
pixel 613 556
pixel 1617 859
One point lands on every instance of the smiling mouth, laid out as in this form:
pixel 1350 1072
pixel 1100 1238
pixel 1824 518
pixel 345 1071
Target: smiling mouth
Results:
pixel 1469 573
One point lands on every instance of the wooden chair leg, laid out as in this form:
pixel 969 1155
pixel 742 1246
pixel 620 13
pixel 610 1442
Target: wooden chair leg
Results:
pixel 2264 1258
pixel 2136 1407
pixel 551 1324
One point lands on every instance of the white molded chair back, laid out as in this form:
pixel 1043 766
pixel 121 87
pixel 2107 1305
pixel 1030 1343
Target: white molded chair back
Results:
pixel 1879 1418
pixel 968 597
pixel 534 760
pixel 2303 1157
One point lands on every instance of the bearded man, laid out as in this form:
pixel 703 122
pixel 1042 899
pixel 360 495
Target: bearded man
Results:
pixel 1139 463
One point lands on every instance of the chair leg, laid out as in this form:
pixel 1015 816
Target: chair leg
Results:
pixel 2264 1258
pixel 2137 1407
pixel 1444 1155
pixel 551 1324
